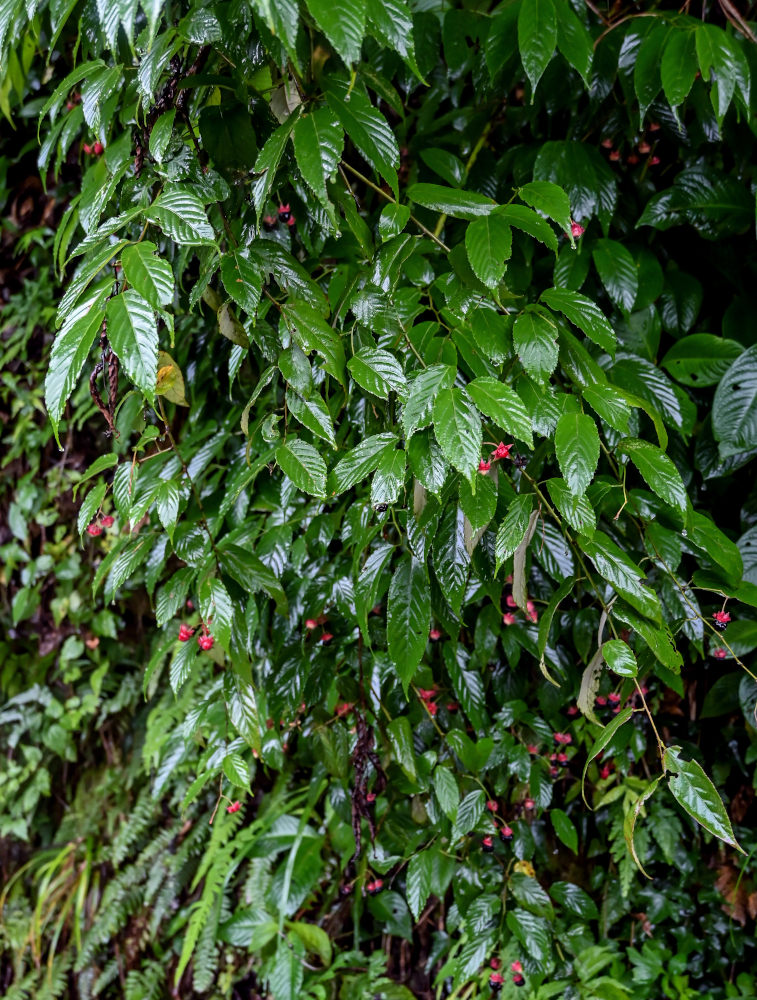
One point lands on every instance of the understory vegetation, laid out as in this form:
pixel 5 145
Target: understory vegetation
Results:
pixel 378 519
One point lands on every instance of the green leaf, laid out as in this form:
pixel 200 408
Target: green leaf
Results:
pixel 576 510
pixel 303 465
pixel 418 410
pixel 133 336
pixel 90 507
pixel 268 162
pixel 603 740
pixel 534 339
pixel 370 582
pixel 447 792
pixel 181 216
pixel 313 333
pixel 242 280
pixel 678 68
pixel 502 405
pixel 717 51
pixel 695 793
pixel 378 371
pixel 70 350
pixel 457 426
pixel 574 41
pixel 550 200
pixel 469 812
pixel 315 939
pixel 701 359
pixel 418 882
pixel 632 814
pixel 646 73
pixel 609 404
pixel 451 557
pixel 366 127
pixel 148 274
pixel 529 893
pixel 734 409
pixel 389 477
pixel 393 220
pixel 251 573
pixel 717 546
pixel 584 314
pixel 537 37
pixel 401 741
pixel 577 448
pixel 235 769
pixel 623 574
pixel 529 222
pixel 619 658
pixel 488 242
pixel 531 931
pixel 574 900
pixel 343 23
pixel 391 21
pixel 160 136
pixel 617 269
pixel 168 501
pixel 564 828
pixel 478 507
pixel 318 144
pixel 659 472
pixel 408 617
pixel 448 201
pixel 513 529
pixel 360 462
pixel 218 610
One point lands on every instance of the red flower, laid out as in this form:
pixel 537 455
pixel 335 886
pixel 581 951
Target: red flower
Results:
pixel 452 706
pixel 370 798
pixel 426 693
pixel 614 698
pixel 205 641
pixel 576 230
pixel 501 451
pixel 721 619
pixel 563 738
pixel 269 223
pixel 532 749
pixel 492 805
pixel 607 143
pixel 615 155
pixel 572 710
pixel 108 521
pixel 234 807
pixel 432 707
pixel 434 635
pixel 185 633
pixel 484 466
pixel 516 967
pixel 644 147
pixel 601 700
pixel 496 981
pixel 506 833
pixel 94 530
pixel 495 964
pixel 529 804
pixel 326 638
pixel 653 161
pixel 510 601
pixel 97 148
pixel 720 653
pixel 86 148
pixel 508 618
pixel 343 708
pixel 605 771
pixel 310 624
pixel 487 844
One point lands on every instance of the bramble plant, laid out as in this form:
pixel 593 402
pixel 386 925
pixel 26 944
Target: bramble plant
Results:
pixel 390 538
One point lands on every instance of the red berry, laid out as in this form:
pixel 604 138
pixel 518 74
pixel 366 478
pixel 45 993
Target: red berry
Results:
pixel 326 638
pixel 572 710
pixel 234 807
pixel 269 223
pixel 344 708
pixel 108 521
pixel 496 981
pixel 501 451
pixel 374 887
pixel 720 653
pixel 495 964
pixel 94 530
pixel 516 967
pixel 508 618
pixel 86 148
pixel 614 698
pixel 518 980
pixel 644 147
pixel 563 738
pixel 506 833
pixel 432 707
pixel 532 748
pixel 633 159
pixel 185 633
pixel 653 161
pixel 205 641
pixel 562 758
pixel 310 624
pixel 484 466
pixel 554 772
pixel 607 143
pixel 434 635
pixel 285 213
pixel 426 693
pixel 97 148
pixel 654 126
pixel 605 771
pixel 487 844
pixel 291 220
pixel 510 601
pixel 452 706
pixel 529 804
pixel 615 155
pixel 492 805
pixel 370 798
pixel 576 230
pixel 601 700
pixel 376 609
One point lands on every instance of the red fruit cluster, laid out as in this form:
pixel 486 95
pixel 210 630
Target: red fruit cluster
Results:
pixel 427 697
pixel 563 738
pixel 205 641
pixel 185 633
pixel 374 887
pixel 96 149
pixel 96 527
pixel 234 807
